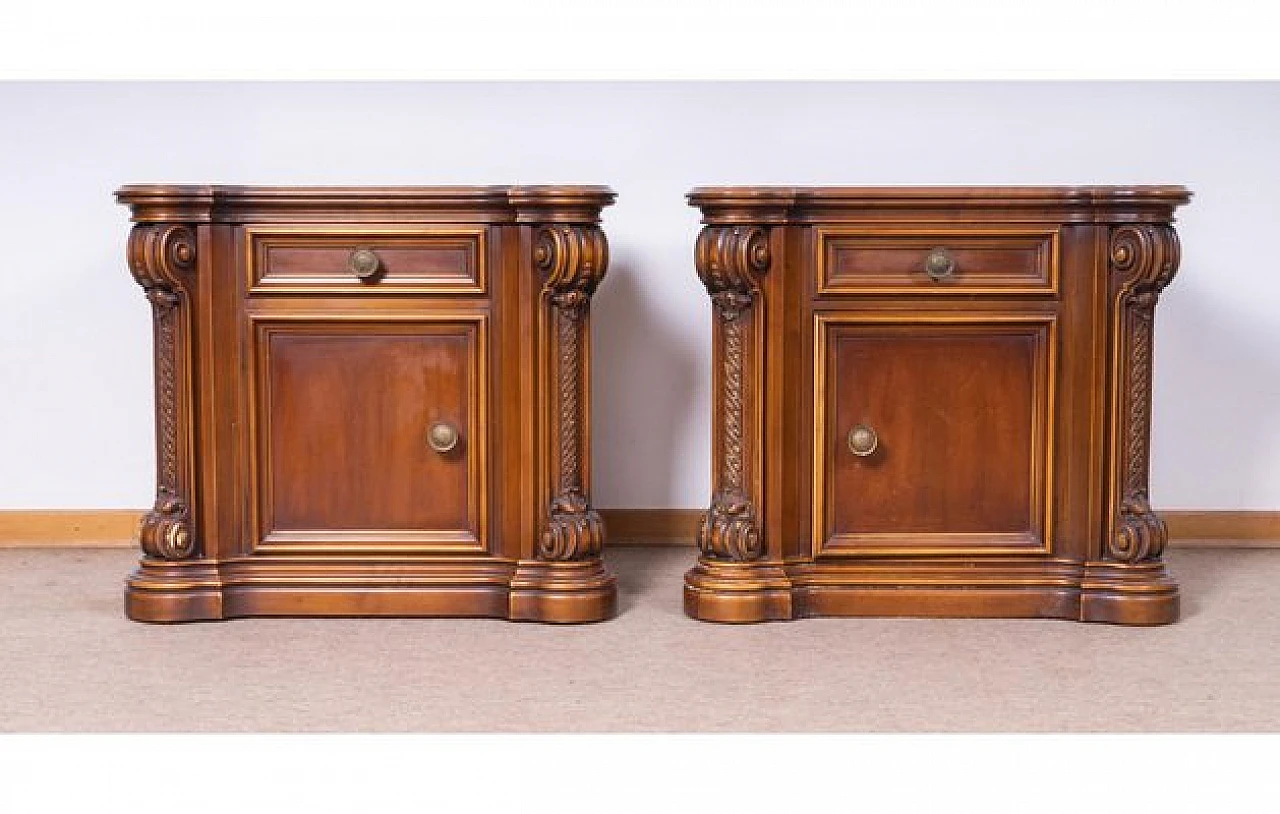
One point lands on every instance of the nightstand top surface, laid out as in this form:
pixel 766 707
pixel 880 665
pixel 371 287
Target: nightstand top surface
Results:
pixel 235 203
pixel 779 204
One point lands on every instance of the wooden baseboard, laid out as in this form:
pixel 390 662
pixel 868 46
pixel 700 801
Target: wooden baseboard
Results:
pixel 652 526
pixel 1253 529
pixel 100 528
pixel 116 528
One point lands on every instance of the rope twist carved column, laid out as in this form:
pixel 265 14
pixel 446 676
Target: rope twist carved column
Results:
pixel 573 260
pixel 1144 259
pixel 730 260
pixel 162 257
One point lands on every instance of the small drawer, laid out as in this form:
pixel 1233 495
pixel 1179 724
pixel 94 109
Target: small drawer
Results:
pixel 368 260
pixel 937 261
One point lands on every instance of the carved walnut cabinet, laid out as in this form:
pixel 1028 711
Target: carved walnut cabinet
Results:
pixel 933 401
pixel 370 401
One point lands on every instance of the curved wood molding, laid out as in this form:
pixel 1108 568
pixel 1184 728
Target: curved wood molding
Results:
pixel 1082 204
pixel 533 204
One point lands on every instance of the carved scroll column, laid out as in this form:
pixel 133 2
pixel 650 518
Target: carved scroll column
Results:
pixel 730 261
pixel 162 258
pixel 1144 259
pixel 572 260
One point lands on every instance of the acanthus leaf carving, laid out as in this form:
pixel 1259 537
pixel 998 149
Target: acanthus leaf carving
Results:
pixel 1143 259
pixel 161 259
pixel 730 261
pixel 572 260
pixel 730 529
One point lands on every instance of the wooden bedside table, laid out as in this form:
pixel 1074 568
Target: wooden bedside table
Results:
pixel 370 401
pixel 933 402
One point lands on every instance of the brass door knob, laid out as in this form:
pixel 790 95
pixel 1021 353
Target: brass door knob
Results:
pixel 365 263
pixel 863 440
pixel 939 264
pixel 442 437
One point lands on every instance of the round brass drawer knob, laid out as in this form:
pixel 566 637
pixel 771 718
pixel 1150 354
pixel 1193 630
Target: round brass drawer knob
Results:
pixel 939 264
pixel 365 263
pixel 863 440
pixel 442 437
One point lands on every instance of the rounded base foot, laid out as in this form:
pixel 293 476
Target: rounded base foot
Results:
pixel 562 592
pixel 737 592
pixel 173 592
pixel 1140 594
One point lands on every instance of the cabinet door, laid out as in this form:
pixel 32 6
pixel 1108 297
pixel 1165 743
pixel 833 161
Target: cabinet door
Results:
pixel 934 434
pixel 370 433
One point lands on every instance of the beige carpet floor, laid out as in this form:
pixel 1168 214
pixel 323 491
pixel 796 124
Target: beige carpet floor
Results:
pixel 69 660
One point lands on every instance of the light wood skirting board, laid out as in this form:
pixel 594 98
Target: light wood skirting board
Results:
pixel 101 528
pixel 116 528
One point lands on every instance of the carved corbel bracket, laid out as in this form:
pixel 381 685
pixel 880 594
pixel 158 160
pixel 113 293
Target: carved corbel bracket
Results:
pixel 572 260
pixel 1143 260
pixel 162 258
pixel 730 261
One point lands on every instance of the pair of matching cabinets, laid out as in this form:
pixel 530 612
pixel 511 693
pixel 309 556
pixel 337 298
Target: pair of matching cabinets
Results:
pixel 927 401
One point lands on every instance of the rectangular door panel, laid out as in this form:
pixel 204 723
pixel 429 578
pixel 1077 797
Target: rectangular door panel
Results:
pixel 370 435
pixel 933 435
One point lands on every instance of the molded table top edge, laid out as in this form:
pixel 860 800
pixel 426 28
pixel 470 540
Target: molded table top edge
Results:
pixel 524 203
pixel 428 192
pixel 926 195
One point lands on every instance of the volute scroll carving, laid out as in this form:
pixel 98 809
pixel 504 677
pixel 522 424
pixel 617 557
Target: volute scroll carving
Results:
pixel 1143 260
pixel 730 261
pixel 162 258
pixel 572 261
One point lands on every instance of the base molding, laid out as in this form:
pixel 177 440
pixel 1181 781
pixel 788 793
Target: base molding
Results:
pixel 188 591
pixel 737 592
pixel 1141 594
pixel 562 592
pixel 204 590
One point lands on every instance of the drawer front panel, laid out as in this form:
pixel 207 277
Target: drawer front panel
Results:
pixel 370 433
pixel 937 261
pixel 367 260
pixel 934 436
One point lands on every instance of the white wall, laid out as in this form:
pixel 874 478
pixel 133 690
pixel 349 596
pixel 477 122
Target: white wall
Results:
pixel 76 375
